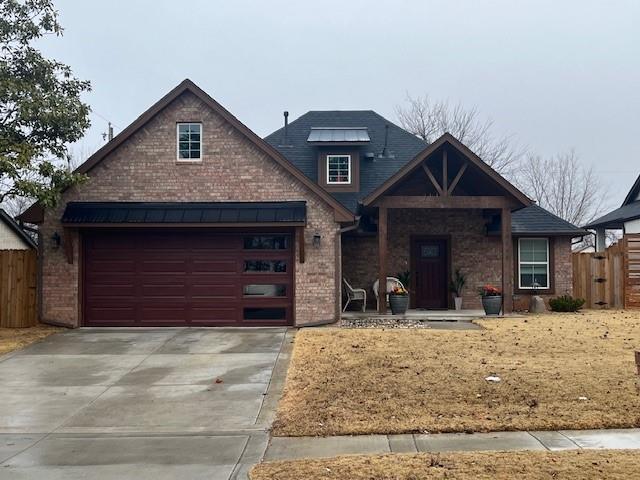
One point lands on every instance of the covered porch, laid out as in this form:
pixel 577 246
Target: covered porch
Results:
pixel 444 211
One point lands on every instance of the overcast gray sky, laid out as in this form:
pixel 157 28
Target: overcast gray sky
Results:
pixel 555 74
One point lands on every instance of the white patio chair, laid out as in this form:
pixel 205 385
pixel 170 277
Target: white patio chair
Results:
pixel 354 294
pixel 392 282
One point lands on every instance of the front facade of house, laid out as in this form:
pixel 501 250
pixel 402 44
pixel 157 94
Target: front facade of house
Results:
pixel 189 218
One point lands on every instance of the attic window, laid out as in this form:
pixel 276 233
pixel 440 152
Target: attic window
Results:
pixel 338 169
pixel 189 141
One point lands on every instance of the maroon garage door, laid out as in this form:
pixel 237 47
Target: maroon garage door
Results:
pixel 177 278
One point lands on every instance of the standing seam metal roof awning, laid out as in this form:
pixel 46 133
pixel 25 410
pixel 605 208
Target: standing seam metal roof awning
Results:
pixel 288 213
pixel 338 134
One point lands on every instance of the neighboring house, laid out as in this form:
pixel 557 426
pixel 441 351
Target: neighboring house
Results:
pixel 12 236
pixel 625 218
pixel 189 218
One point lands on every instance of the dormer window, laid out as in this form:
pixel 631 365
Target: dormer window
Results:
pixel 338 169
pixel 189 141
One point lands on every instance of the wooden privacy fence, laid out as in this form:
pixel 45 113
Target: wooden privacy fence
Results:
pixel 18 278
pixel 609 279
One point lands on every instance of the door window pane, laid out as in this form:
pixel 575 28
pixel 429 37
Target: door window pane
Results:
pixel 429 251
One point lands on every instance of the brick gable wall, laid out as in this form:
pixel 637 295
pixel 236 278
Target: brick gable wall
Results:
pixel 144 168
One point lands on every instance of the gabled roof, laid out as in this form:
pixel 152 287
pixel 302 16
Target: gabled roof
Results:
pixel 630 210
pixel 402 146
pixel 535 220
pixel 15 228
pixel 428 150
pixel 633 194
pixel 342 213
pixel 617 218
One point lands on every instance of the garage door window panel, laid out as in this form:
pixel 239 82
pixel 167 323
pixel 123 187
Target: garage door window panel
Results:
pixel 255 266
pixel 265 313
pixel 265 290
pixel 267 242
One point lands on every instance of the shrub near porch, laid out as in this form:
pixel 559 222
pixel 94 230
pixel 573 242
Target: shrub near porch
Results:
pixel 557 371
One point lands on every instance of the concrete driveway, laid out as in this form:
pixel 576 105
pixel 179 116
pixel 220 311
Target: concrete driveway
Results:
pixel 141 403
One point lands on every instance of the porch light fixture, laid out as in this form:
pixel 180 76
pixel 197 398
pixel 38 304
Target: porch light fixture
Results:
pixel 55 240
pixel 316 240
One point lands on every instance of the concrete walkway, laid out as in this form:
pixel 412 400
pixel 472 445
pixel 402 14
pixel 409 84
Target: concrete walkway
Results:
pixel 141 403
pixel 290 448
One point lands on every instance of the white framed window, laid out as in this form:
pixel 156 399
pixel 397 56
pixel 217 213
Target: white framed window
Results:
pixel 533 263
pixel 338 169
pixel 189 143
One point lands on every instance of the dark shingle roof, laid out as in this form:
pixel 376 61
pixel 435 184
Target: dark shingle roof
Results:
pixel 185 212
pixel 616 219
pixel 402 147
pixel 535 220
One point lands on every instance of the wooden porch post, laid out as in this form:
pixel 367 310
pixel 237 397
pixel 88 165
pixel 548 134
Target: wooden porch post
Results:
pixel 382 259
pixel 507 262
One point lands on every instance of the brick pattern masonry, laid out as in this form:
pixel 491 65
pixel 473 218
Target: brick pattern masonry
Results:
pixel 476 254
pixel 232 169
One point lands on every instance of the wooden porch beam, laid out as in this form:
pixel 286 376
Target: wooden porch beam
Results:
pixel 445 174
pixel 457 178
pixel 382 260
pixel 445 202
pixel 507 262
pixel 432 178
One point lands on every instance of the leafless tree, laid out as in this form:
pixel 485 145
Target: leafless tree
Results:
pixel 430 119
pixel 564 186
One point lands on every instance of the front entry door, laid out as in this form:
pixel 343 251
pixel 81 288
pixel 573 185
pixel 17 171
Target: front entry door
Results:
pixel 430 273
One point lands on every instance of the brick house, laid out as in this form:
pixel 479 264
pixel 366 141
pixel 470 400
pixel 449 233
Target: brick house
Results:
pixel 189 218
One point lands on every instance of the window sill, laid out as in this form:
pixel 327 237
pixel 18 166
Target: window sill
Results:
pixel 188 162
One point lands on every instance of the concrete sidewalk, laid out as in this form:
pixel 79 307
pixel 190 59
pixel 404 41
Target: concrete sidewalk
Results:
pixel 290 448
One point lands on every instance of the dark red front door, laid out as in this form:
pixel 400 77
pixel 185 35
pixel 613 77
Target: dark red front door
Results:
pixel 187 278
pixel 430 272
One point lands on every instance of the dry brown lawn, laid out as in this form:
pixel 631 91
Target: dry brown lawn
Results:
pixel 16 338
pixel 574 465
pixel 558 371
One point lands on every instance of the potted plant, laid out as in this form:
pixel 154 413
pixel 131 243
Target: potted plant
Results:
pixel 491 299
pixel 398 300
pixel 455 286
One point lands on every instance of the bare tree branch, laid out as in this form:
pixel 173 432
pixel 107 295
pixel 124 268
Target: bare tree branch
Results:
pixel 430 119
pixel 564 186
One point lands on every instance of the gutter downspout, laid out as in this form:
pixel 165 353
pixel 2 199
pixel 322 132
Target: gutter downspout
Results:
pixel 338 279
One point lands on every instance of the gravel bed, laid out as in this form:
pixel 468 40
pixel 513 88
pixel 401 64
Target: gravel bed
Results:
pixel 373 322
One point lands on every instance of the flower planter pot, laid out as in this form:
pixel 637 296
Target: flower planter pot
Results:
pixel 457 301
pixel 398 304
pixel 492 305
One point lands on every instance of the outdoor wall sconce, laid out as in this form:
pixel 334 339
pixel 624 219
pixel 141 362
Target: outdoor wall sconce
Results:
pixel 316 240
pixel 55 240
